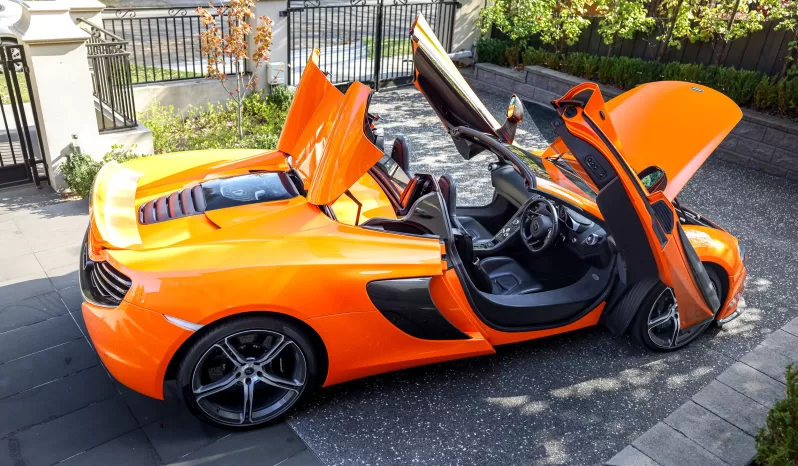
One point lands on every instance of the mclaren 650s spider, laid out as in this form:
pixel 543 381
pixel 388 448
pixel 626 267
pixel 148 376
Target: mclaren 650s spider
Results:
pixel 253 277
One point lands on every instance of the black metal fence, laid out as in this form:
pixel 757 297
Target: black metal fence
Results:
pixel 762 51
pixel 21 153
pixel 165 44
pixel 362 40
pixel 109 62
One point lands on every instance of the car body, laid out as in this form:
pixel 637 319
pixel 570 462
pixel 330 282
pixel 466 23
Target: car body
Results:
pixel 260 275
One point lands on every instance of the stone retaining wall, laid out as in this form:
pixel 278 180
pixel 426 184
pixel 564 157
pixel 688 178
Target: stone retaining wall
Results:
pixel 762 142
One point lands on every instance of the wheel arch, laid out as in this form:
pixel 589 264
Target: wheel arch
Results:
pixel 318 343
pixel 723 274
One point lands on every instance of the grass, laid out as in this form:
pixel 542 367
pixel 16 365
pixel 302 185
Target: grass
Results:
pixel 390 47
pixel 23 89
pixel 152 73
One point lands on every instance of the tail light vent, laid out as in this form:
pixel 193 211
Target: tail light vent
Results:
pixel 189 201
pixel 110 285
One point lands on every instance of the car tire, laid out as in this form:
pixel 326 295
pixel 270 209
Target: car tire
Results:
pixel 656 306
pixel 248 371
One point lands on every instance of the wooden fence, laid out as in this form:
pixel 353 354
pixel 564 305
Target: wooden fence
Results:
pixel 762 51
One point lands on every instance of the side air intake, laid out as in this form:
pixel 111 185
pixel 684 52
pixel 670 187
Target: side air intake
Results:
pixel 189 201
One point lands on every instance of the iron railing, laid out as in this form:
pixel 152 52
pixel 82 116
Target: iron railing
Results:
pixel 109 62
pixel 362 40
pixel 165 44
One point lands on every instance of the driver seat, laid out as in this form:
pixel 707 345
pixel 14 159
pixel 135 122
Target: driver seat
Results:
pixel 467 224
pixel 495 275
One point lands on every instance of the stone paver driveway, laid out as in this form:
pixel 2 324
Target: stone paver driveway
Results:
pixel 57 402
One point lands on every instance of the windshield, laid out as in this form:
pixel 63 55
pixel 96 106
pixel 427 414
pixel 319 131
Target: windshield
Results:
pixel 535 164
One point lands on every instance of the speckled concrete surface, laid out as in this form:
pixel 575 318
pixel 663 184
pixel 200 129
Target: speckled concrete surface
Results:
pixel 572 399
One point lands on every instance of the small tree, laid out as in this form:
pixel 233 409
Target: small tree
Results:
pixel 785 13
pixel 675 19
pixel 231 48
pixel 621 19
pixel 556 22
pixel 722 21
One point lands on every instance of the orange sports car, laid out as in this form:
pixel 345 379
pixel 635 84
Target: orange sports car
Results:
pixel 253 277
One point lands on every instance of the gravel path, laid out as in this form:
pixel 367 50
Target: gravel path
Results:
pixel 572 399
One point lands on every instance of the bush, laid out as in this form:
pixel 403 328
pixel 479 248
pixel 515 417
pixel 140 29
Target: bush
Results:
pixel 80 169
pixel 745 88
pixel 214 126
pixel 777 442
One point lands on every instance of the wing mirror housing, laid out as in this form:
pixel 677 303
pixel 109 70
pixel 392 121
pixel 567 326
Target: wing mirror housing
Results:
pixel 515 115
pixel 653 178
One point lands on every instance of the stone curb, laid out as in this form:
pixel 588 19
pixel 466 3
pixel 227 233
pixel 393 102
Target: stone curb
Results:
pixel 719 423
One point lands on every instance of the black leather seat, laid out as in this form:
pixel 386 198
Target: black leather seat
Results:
pixel 508 277
pixel 468 224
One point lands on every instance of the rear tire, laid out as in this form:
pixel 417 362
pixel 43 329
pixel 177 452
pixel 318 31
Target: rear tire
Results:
pixel 248 371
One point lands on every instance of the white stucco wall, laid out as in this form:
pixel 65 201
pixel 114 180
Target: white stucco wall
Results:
pixel 181 94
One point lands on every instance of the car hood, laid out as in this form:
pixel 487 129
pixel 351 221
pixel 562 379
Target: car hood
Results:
pixel 325 135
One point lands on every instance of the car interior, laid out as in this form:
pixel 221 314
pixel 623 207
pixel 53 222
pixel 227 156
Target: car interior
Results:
pixel 526 260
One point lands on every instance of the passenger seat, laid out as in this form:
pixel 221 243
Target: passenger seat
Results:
pixel 468 224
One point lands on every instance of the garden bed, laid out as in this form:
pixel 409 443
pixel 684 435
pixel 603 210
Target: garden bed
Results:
pixel 763 142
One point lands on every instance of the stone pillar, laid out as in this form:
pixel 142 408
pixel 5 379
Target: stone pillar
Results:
pixel 466 26
pixel 90 10
pixel 61 81
pixel 279 53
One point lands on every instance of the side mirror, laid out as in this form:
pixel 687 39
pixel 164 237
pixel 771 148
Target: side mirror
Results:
pixel 400 153
pixel 515 115
pixel 653 178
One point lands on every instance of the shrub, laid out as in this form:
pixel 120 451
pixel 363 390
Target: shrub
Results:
pixel 213 126
pixel 80 169
pixel 777 442
pixel 513 56
pixel 490 50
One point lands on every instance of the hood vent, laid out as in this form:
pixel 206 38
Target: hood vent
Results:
pixel 189 201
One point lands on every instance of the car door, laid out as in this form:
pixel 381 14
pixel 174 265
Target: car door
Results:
pixel 643 225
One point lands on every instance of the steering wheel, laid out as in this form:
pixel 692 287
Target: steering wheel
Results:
pixel 539 225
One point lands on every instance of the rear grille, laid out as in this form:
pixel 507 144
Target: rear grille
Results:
pixel 189 201
pixel 100 282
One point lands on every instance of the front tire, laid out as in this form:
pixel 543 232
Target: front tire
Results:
pixel 248 371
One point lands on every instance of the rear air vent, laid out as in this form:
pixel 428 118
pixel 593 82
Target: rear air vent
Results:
pixel 189 201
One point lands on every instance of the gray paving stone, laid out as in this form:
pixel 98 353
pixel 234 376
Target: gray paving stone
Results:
pixel 180 434
pixel 308 458
pixel 19 267
pixel 54 399
pixel 768 361
pixel 669 447
pixel 36 337
pixel 148 410
pixel 719 437
pixel 630 456
pixel 267 446
pixel 59 257
pixel 784 343
pixel 13 245
pixel 732 406
pixel 64 277
pixel 72 298
pixel 31 310
pixel 131 449
pixel 68 435
pixel 25 287
pixel 753 384
pixel 45 366
pixel 50 239
pixel 791 327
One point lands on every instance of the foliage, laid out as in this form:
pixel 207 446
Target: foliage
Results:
pixel 491 50
pixel 23 89
pixel 80 169
pixel 555 22
pixel 391 47
pixel 746 88
pixel 621 19
pixel 675 19
pixel 785 13
pixel 140 73
pixel 722 21
pixel 213 127
pixel 232 46
pixel 777 442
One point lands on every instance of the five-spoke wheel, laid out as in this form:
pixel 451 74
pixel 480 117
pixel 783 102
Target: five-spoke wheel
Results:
pixel 247 371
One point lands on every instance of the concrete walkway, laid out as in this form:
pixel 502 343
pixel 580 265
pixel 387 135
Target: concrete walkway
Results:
pixel 717 426
pixel 57 402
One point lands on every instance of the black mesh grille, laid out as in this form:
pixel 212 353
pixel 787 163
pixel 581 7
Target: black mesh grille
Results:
pixel 189 201
pixel 100 282
pixel 664 215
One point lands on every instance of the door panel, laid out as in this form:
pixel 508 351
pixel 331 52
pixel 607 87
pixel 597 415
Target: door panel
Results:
pixel 649 244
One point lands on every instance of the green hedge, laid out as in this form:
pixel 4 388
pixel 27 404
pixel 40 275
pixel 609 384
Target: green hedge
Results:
pixel 746 88
pixel 777 442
